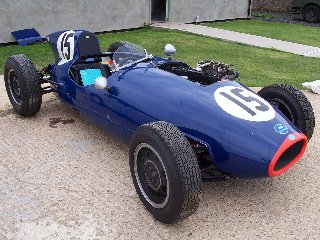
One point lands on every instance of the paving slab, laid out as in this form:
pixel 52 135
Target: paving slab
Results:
pixel 244 38
pixel 72 181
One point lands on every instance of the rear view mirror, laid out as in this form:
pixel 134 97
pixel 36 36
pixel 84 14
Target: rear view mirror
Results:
pixel 101 83
pixel 169 50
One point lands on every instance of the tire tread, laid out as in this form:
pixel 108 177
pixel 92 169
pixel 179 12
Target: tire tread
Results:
pixel 31 80
pixel 179 146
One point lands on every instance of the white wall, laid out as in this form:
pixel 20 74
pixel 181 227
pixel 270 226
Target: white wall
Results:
pixel 48 16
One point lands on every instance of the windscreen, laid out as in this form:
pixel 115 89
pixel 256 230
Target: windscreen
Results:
pixel 128 53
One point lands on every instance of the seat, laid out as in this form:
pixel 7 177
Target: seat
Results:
pixel 89 52
pixel 88 45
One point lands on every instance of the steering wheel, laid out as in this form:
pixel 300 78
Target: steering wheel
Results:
pixel 128 60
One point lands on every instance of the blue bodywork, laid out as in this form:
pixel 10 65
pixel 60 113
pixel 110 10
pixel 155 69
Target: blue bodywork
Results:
pixel 143 93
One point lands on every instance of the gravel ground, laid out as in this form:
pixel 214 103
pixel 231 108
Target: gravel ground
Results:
pixel 287 17
pixel 70 180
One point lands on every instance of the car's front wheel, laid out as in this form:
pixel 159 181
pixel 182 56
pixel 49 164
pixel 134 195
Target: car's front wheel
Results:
pixel 116 45
pixel 165 171
pixel 293 104
pixel 311 13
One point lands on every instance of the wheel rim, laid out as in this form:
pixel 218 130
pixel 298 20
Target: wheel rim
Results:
pixel 311 14
pixel 283 107
pixel 151 175
pixel 14 87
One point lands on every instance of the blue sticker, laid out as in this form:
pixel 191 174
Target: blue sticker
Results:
pixel 88 76
pixel 292 137
pixel 281 129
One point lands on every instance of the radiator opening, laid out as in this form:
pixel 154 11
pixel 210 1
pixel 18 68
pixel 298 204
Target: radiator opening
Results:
pixel 290 154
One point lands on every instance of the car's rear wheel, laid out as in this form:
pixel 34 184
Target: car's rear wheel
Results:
pixel 293 104
pixel 311 13
pixel 165 171
pixel 23 85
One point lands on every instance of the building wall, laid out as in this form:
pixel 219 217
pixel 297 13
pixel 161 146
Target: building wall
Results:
pixel 48 16
pixel 207 10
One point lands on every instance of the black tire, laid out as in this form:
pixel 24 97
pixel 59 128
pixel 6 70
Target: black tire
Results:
pixel 173 192
pixel 23 85
pixel 311 13
pixel 114 46
pixel 293 104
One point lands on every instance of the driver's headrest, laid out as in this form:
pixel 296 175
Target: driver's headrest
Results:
pixel 88 44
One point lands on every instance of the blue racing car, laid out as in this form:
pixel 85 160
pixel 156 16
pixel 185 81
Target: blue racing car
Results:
pixel 184 125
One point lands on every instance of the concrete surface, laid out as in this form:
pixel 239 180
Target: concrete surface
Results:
pixel 48 16
pixel 72 181
pixel 208 10
pixel 244 38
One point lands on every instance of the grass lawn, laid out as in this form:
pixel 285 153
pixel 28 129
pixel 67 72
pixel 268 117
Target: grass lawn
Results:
pixel 282 31
pixel 258 67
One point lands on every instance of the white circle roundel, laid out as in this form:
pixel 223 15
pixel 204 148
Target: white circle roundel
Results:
pixel 244 104
pixel 65 47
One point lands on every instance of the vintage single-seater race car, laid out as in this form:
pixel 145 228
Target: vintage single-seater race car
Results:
pixel 184 125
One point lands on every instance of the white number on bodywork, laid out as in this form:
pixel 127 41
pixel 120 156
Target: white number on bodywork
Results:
pixel 244 104
pixel 65 46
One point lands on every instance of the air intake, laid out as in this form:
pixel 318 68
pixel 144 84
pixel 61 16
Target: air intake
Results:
pixel 288 154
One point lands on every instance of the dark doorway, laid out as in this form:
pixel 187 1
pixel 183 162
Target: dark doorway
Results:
pixel 158 10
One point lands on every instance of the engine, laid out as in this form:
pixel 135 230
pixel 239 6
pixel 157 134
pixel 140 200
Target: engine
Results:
pixel 207 72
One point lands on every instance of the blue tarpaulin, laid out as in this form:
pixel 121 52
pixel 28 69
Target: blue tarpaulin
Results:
pixel 26 36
